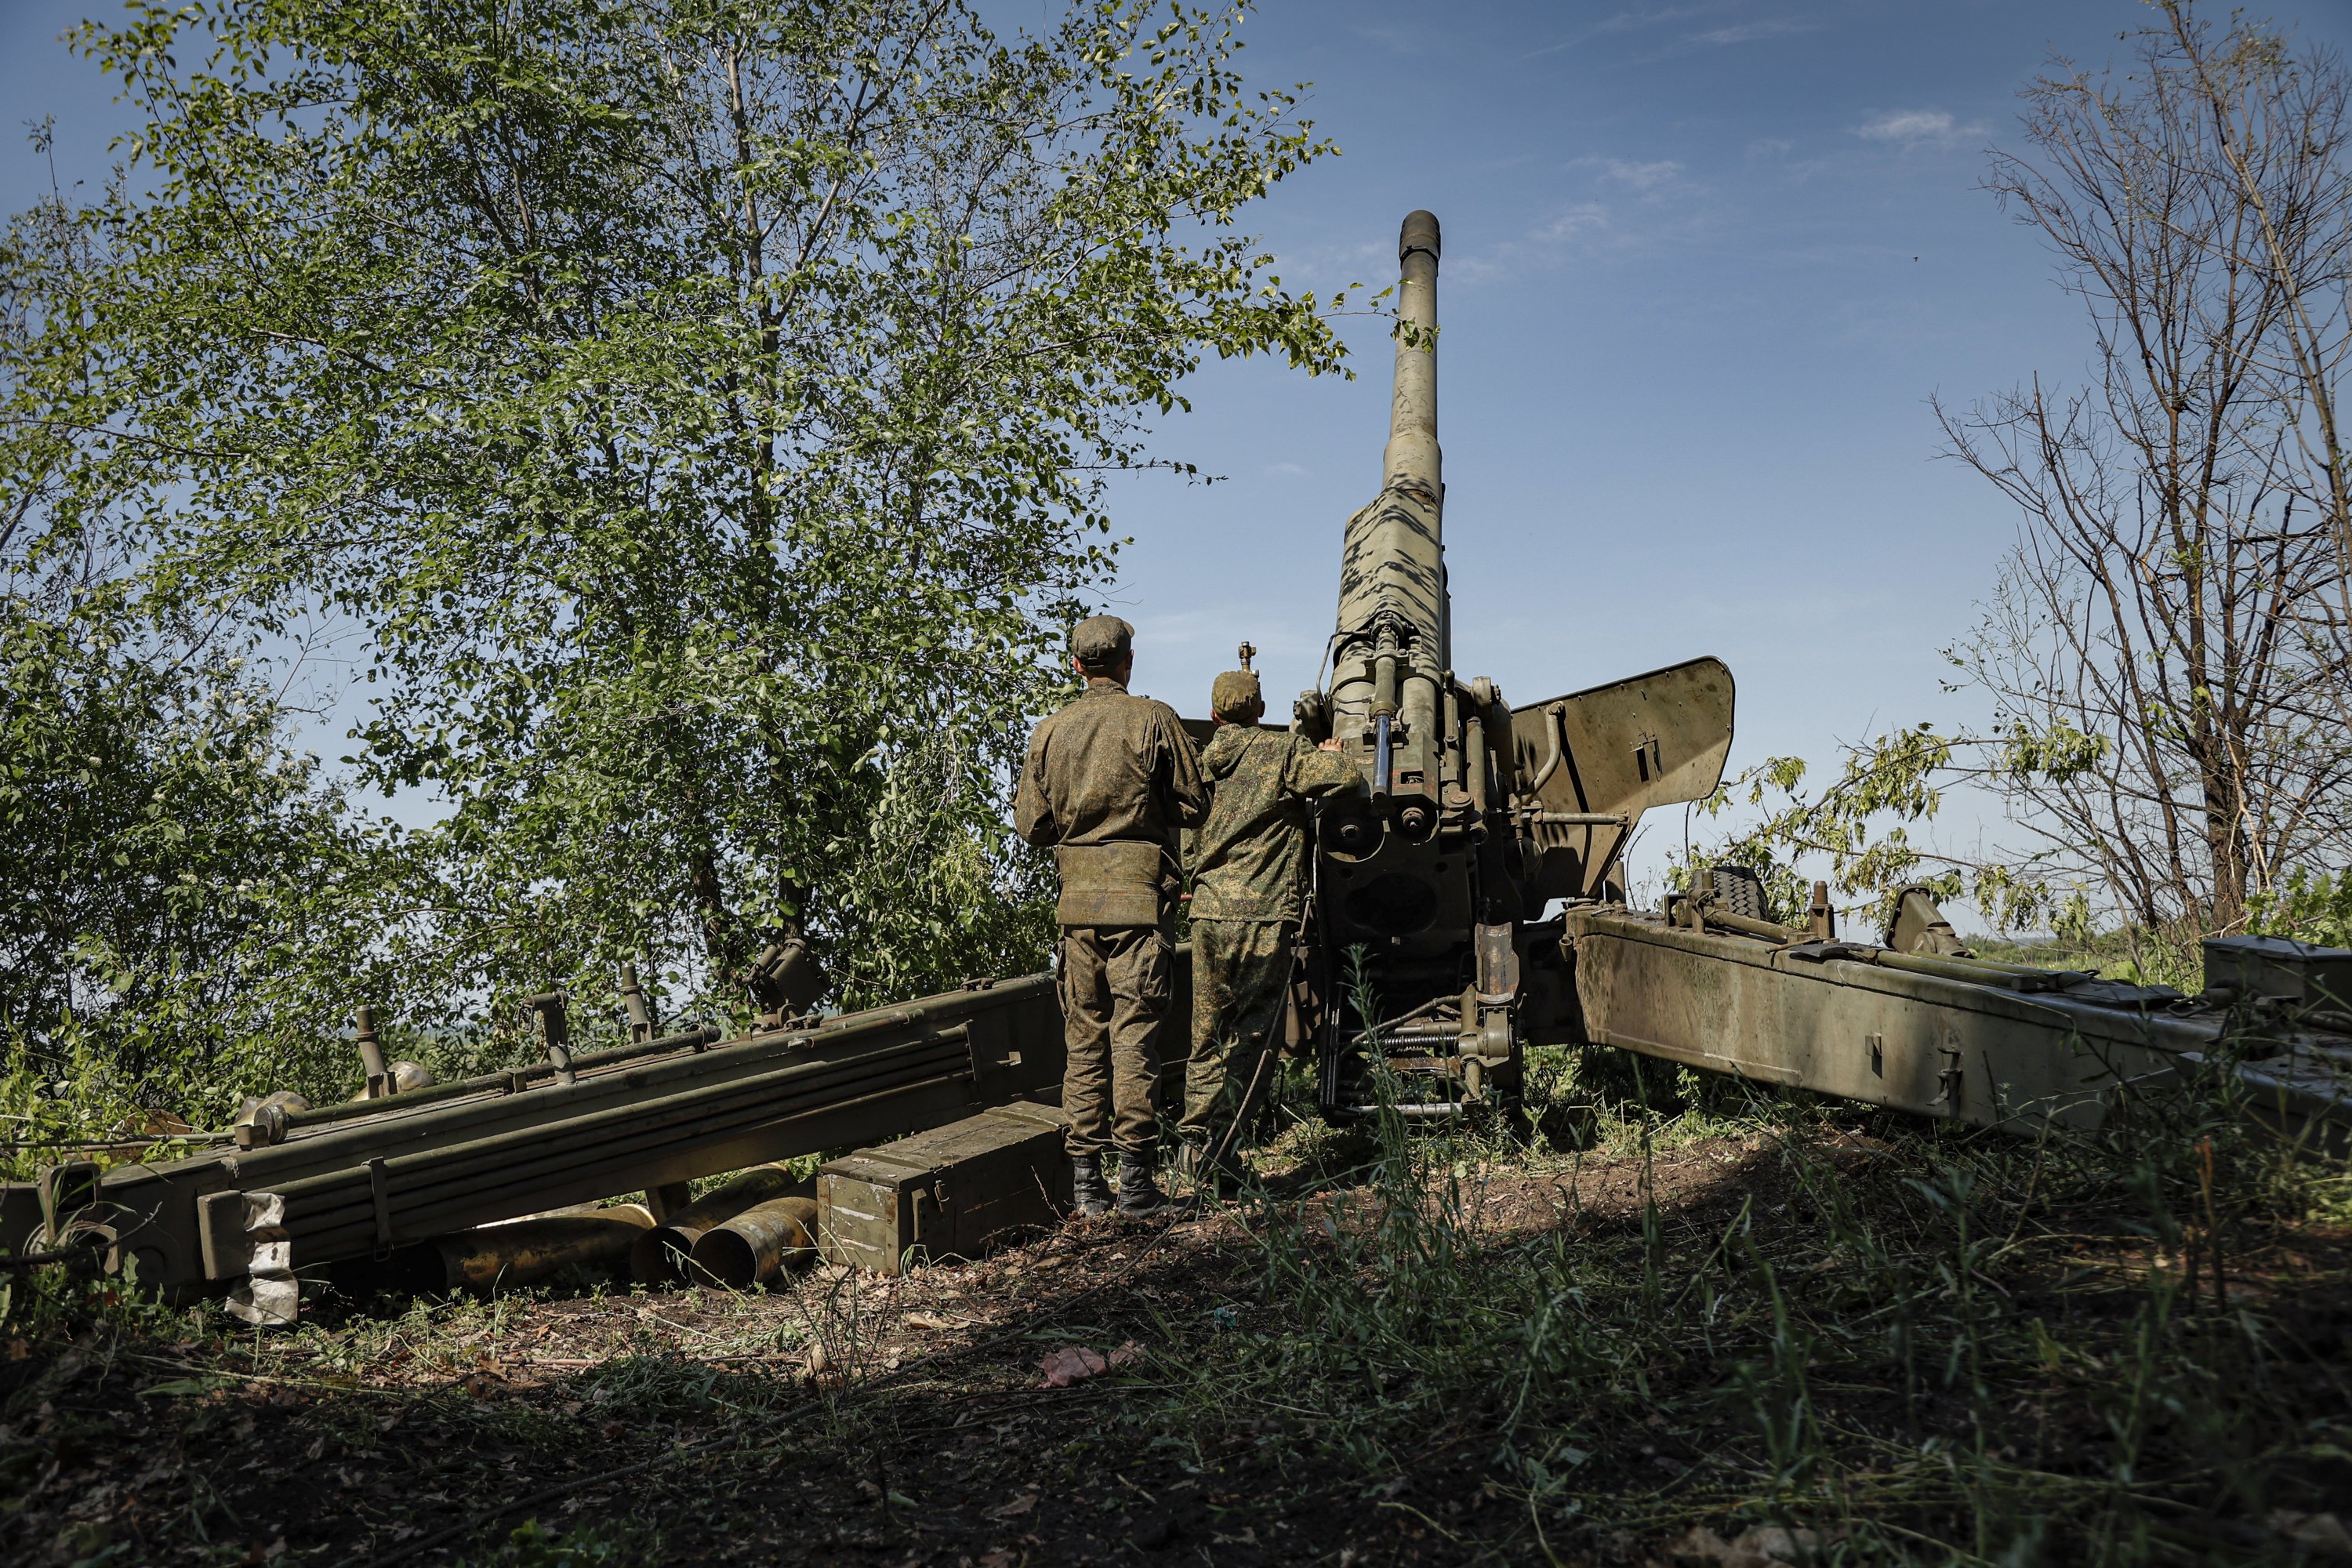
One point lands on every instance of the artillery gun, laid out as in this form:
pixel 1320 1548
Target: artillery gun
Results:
pixel 1474 898
pixel 1478 815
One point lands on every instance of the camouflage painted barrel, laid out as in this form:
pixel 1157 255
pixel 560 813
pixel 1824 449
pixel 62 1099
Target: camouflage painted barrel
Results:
pixel 1392 645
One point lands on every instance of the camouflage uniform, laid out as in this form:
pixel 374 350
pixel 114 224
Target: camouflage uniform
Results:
pixel 1108 782
pixel 1248 864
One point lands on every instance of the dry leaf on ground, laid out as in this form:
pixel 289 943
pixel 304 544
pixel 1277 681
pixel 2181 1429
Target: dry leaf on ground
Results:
pixel 1073 1363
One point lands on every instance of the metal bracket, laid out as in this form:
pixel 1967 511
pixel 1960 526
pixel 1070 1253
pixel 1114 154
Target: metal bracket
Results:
pixel 380 1189
pixel 1948 1081
pixel 1498 965
pixel 550 1006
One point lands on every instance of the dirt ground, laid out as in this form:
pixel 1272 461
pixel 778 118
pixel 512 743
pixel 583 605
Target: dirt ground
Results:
pixel 847 1419
pixel 688 1425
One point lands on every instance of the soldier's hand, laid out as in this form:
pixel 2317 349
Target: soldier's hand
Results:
pixel 1330 745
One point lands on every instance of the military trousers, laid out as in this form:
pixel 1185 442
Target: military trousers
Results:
pixel 1115 988
pixel 1240 971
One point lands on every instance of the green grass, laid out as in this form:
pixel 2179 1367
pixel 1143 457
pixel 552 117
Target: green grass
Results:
pixel 2133 954
pixel 1928 1344
pixel 1670 1299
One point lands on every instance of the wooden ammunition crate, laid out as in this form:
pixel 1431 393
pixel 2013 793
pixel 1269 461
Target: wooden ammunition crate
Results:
pixel 945 1193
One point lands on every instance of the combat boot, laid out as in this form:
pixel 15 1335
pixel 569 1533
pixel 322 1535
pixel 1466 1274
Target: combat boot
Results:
pixel 1089 1199
pixel 1139 1196
pixel 1190 1156
pixel 1225 1178
pixel 1211 1178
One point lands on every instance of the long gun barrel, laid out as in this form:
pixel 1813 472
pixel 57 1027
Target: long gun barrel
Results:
pixel 1391 647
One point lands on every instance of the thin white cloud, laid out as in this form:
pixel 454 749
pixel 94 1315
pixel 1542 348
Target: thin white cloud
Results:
pixel 1285 471
pixel 1387 36
pixel 1750 32
pixel 1574 231
pixel 1640 177
pixel 1649 19
pixel 1919 128
pixel 1576 222
pixel 1628 21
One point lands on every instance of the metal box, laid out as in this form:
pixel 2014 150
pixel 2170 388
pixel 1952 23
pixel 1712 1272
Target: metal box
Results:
pixel 944 1192
pixel 2301 974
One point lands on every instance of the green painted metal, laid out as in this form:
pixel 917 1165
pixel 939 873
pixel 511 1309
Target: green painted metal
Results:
pixel 356 1180
pixel 1946 1038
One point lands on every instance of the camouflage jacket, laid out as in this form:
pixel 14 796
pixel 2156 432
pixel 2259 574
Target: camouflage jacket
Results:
pixel 1108 782
pixel 1248 861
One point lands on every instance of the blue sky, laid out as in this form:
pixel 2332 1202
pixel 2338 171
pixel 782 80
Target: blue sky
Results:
pixel 1705 265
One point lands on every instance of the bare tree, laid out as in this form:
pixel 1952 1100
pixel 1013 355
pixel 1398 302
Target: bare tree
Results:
pixel 2169 649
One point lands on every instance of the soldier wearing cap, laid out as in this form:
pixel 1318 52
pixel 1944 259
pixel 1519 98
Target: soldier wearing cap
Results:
pixel 1108 783
pixel 1248 866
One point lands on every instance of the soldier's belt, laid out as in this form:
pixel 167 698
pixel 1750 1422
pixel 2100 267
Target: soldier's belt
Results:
pixel 1111 884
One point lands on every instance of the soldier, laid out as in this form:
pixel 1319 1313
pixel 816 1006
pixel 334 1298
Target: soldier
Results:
pixel 1249 885
pixel 1108 782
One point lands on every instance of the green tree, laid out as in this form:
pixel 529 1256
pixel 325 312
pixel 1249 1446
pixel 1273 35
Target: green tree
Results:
pixel 693 414
pixel 161 842
pixel 156 835
pixel 2167 653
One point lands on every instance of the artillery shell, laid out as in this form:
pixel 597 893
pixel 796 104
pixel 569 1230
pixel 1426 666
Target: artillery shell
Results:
pixel 759 1243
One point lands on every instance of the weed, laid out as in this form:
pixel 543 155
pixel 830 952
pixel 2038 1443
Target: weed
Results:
pixel 1929 1343
pixel 1672 1302
pixel 531 1545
